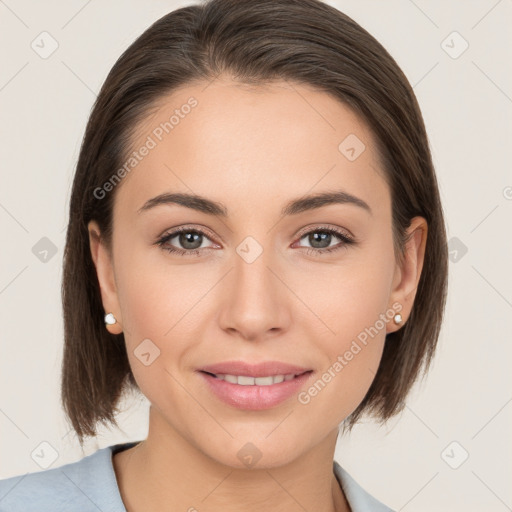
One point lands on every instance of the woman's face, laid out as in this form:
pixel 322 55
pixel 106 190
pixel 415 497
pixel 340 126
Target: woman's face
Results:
pixel 262 281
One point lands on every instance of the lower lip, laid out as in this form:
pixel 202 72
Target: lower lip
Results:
pixel 255 398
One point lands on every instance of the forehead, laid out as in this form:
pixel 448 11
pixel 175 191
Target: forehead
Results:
pixel 239 143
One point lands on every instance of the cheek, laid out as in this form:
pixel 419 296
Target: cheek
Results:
pixel 145 303
pixel 161 302
pixel 347 297
pixel 353 315
pixel 351 352
pixel 152 306
pixel 153 293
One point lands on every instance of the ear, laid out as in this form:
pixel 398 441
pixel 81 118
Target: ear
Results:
pixel 105 272
pixel 408 273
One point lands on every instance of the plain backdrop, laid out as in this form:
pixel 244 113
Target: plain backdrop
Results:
pixel 451 449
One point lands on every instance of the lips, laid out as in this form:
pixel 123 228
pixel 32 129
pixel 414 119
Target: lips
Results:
pixel 255 386
pixel 259 395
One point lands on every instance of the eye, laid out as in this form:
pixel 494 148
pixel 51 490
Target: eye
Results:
pixel 190 239
pixel 320 240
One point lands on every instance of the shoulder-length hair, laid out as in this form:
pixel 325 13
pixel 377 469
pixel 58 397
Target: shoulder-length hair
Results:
pixel 257 41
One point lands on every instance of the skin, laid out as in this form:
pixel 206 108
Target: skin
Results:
pixel 252 149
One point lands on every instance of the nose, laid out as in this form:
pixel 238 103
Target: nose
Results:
pixel 257 301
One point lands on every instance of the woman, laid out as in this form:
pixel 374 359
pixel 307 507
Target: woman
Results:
pixel 256 243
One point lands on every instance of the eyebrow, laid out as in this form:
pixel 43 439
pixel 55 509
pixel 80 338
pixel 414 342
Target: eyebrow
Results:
pixel 293 207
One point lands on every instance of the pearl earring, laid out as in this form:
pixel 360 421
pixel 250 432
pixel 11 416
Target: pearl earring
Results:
pixel 110 319
pixel 397 318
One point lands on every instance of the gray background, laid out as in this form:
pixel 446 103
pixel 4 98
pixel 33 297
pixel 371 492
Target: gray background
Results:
pixel 464 406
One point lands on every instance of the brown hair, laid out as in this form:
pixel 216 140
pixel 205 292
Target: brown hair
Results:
pixel 256 41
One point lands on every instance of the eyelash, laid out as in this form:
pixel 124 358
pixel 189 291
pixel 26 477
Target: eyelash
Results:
pixel 310 250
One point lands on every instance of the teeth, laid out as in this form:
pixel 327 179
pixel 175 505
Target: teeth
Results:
pixel 244 380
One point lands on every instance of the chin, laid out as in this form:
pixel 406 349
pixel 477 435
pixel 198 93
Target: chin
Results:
pixel 257 452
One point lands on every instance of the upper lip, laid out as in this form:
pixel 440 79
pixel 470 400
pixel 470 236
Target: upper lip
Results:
pixel 264 369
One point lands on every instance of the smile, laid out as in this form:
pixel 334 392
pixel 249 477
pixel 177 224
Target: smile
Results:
pixel 245 380
pixel 255 393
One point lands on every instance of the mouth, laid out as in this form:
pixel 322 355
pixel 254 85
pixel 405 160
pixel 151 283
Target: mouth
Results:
pixel 251 393
pixel 247 380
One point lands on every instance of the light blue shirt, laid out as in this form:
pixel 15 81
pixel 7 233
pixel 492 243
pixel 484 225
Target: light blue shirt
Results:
pixel 90 485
